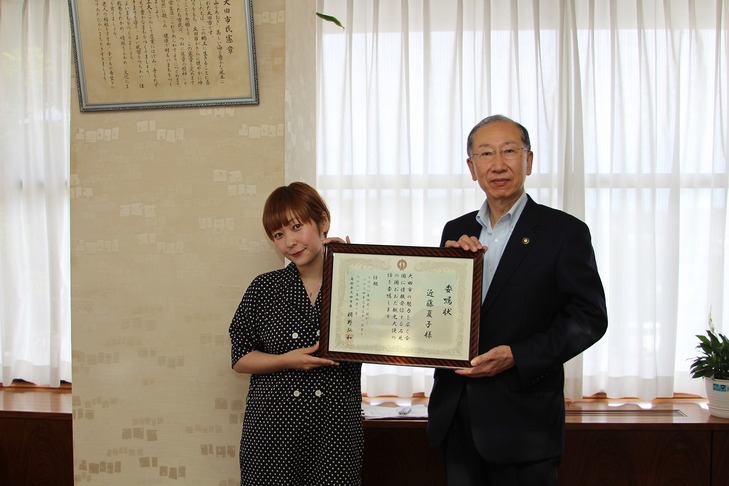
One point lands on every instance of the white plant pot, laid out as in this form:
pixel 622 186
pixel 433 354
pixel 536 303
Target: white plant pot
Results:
pixel 717 391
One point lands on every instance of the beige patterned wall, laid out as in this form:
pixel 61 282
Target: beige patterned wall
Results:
pixel 165 237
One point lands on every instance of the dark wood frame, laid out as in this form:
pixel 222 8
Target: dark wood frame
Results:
pixel 405 251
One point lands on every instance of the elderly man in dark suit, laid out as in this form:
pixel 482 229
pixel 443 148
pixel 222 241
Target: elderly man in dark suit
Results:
pixel 501 421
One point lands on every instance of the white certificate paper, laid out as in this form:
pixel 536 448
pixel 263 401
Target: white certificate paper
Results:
pixel 401 305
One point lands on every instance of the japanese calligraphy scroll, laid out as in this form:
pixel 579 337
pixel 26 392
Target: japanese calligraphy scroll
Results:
pixel 135 54
pixel 402 305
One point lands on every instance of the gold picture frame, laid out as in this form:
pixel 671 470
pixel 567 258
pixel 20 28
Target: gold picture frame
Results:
pixel 401 305
pixel 138 54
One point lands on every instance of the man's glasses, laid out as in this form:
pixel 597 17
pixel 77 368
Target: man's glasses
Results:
pixel 508 153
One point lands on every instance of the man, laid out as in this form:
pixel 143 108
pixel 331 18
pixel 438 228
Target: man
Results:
pixel 501 422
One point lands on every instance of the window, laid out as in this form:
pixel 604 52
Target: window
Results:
pixel 35 325
pixel 627 110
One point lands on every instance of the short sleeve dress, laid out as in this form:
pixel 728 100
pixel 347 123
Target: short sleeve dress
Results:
pixel 300 427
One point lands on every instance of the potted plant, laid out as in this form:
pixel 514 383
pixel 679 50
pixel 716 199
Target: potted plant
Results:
pixel 713 366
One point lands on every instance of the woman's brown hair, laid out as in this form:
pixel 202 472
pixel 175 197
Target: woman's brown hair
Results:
pixel 299 200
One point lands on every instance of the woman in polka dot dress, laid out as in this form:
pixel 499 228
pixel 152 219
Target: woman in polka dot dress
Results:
pixel 303 418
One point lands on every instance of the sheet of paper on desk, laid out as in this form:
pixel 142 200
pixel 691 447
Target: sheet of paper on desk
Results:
pixel 390 412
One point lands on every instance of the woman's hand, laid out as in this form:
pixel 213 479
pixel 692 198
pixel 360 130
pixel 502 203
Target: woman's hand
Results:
pixel 260 363
pixel 302 359
pixel 335 239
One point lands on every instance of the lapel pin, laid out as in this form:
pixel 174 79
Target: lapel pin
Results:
pixel 525 240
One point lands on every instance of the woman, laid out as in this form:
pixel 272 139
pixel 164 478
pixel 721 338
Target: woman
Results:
pixel 303 419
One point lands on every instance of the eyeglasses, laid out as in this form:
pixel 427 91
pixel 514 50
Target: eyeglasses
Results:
pixel 508 153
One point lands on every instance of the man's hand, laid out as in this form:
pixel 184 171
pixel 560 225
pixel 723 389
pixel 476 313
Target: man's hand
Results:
pixel 491 363
pixel 469 243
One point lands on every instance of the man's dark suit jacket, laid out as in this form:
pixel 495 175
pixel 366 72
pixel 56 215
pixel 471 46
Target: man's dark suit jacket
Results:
pixel 547 302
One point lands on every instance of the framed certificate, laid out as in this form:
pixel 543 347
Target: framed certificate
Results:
pixel 138 54
pixel 401 305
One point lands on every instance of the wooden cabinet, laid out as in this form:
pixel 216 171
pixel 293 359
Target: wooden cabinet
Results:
pixel 673 443
pixel 720 458
pixel 397 453
pixel 636 457
pixel 36 450
pixel 36 437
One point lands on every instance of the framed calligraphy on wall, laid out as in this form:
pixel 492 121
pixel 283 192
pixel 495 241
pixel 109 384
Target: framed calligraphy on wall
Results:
pixel 401 305
pixel 140 54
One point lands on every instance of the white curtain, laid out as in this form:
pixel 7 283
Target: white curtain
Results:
pixel 35 77
pixel 627 104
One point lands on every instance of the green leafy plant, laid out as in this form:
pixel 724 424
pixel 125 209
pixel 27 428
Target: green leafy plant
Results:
pixel 330 18
pixel 714 359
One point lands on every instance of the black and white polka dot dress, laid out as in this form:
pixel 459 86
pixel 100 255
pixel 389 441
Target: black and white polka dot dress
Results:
pixel 300 427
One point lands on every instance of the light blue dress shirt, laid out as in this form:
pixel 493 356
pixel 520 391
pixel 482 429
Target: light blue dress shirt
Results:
pixel 495 237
